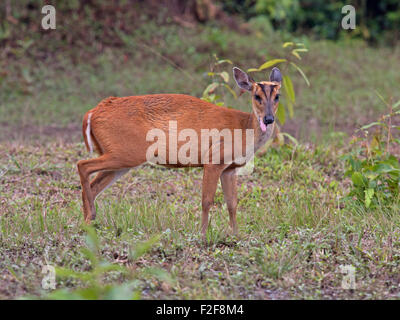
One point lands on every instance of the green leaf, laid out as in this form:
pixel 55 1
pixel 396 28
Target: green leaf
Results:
pixel 385 167
pixel 287 44
pixel 266 65
pixel 301 72
pixel 370 125
pixel 223 61
pixel 66 273
pixel 11 270
pixel 224 75
pixel 92 240
pixel 290 109
pixel 210 89
pixel 355 164
pixel 280 114
pixel 288 86
pixel 301 50
pixel 270 63
pixel 397 104
pixel 369 193
pixel 294 52
pixel 393 161
pixel 15 162
pixel 358 179
pixel 252 70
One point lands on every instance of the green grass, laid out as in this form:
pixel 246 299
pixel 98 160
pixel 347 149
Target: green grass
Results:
pixel 294 231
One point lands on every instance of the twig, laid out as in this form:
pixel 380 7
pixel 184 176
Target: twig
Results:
pixel 389 127
pixel 166 59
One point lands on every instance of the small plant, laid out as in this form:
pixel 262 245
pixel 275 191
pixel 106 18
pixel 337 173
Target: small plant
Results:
pixel 220 79
pixel 94 284
pixel 292 50
pixel 372 165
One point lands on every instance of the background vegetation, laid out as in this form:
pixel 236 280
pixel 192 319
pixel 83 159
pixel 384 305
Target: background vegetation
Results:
pixel 327 198
pixel 378 21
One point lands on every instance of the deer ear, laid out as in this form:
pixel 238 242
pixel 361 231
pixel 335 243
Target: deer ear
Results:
pixel 275 75
pixel 242 79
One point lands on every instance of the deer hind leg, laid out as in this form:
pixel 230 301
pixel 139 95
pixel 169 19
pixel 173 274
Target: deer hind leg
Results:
pixel 105 179
pixel 229 187
pixel 88 167
pixel 210 180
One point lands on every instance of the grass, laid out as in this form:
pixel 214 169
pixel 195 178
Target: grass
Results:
pixel 295 230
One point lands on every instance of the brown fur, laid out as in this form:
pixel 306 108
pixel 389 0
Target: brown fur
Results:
pixel 118 130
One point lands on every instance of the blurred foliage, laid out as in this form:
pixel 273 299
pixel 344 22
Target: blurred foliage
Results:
pixel 220 81
pixel 93 281
pixel 376 21
pixel 94 24
pixel 287 64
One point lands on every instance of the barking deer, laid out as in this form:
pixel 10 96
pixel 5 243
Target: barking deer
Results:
pixel 123 130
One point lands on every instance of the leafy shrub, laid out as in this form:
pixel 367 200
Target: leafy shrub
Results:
pixel 293 50
pixel 372 166
pixel 220 79
pixel 94 285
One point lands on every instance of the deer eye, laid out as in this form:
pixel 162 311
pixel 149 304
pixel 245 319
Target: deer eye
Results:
pixel 258 98
pixel 277 97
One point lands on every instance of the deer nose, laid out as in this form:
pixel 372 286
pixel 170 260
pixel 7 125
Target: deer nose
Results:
pixel 268 119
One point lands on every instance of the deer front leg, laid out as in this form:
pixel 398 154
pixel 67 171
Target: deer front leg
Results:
pixel 229 186
pixel 211 174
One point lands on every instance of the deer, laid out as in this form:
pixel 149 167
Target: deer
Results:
pixel 116 129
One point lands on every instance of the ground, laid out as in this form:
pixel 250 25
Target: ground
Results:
pixel 294 231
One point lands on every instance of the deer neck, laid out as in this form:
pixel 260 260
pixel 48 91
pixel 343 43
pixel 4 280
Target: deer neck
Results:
pixel 260 137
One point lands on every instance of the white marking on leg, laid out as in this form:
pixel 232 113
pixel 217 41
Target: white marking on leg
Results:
pixel 88 137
